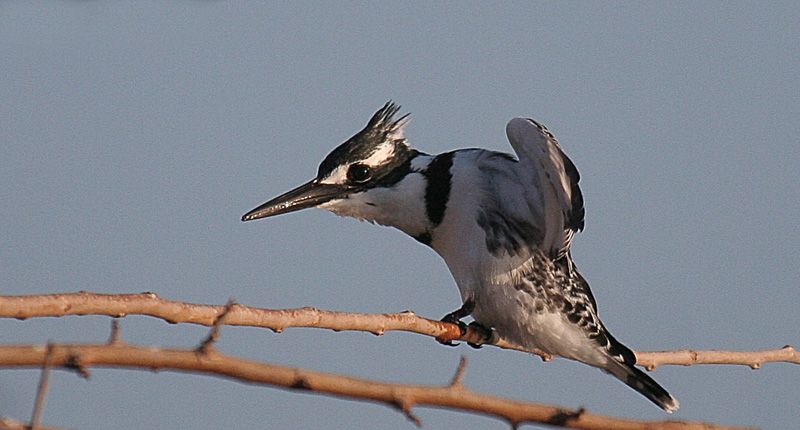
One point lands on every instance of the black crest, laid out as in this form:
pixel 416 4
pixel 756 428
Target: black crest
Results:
pixel 383 123
pixel 381 128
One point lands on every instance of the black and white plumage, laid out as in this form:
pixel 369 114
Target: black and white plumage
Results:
pixel 503 226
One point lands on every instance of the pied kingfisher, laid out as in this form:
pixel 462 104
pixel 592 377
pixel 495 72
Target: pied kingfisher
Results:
pixel 503 225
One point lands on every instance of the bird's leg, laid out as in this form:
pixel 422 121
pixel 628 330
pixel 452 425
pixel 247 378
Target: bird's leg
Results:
pixel 465 309
pixel 455 318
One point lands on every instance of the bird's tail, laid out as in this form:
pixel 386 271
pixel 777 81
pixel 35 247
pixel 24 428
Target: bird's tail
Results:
pixel 622 367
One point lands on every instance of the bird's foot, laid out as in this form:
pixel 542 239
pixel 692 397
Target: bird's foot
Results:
pixel 486 334
pixel 455 318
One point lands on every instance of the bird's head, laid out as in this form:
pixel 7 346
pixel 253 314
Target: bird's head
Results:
pixel 376 158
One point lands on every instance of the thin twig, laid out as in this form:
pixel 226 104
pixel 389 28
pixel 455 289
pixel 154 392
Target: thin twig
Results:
pixel 116 335
pixel 207 346
pixel 119 305
pixel 44 385
pixel 401 396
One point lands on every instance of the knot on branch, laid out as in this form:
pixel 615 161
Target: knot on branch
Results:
pixel 565 416
pixel 301 383
pixel 74 362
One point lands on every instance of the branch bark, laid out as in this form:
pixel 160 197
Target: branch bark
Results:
pixel 403 397
pixel 7 423
pixel 150 304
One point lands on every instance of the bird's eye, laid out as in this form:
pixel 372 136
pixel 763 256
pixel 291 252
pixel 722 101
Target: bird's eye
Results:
pixel 359 173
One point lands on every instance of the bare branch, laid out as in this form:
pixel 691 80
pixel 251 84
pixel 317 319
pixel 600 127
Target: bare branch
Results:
pixel 402 396
pixel 119 305
pixel 689 357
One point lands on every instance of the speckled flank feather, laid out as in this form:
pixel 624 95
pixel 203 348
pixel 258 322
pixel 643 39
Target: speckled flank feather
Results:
pixel 550 307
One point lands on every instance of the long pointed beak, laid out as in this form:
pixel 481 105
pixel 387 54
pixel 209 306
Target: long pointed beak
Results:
pixel 310 194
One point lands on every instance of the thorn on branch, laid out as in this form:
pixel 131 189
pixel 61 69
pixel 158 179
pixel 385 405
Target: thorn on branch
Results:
pixel 458 378
pixel 207 346
pixel 405 406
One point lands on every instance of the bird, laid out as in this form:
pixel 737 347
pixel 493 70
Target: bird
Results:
pixel 503 224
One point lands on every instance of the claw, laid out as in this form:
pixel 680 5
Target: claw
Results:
pixel 485 332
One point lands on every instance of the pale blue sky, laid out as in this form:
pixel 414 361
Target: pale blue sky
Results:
pixel 135 134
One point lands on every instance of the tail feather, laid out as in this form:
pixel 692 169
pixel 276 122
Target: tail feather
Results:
pixel 642 383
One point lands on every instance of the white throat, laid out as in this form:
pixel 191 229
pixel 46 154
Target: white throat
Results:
pixel 401 206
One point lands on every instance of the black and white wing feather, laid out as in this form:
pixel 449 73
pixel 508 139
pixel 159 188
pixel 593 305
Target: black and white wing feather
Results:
pixel 554 191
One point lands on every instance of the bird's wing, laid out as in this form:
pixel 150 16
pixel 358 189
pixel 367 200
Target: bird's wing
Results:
pixel 551 184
